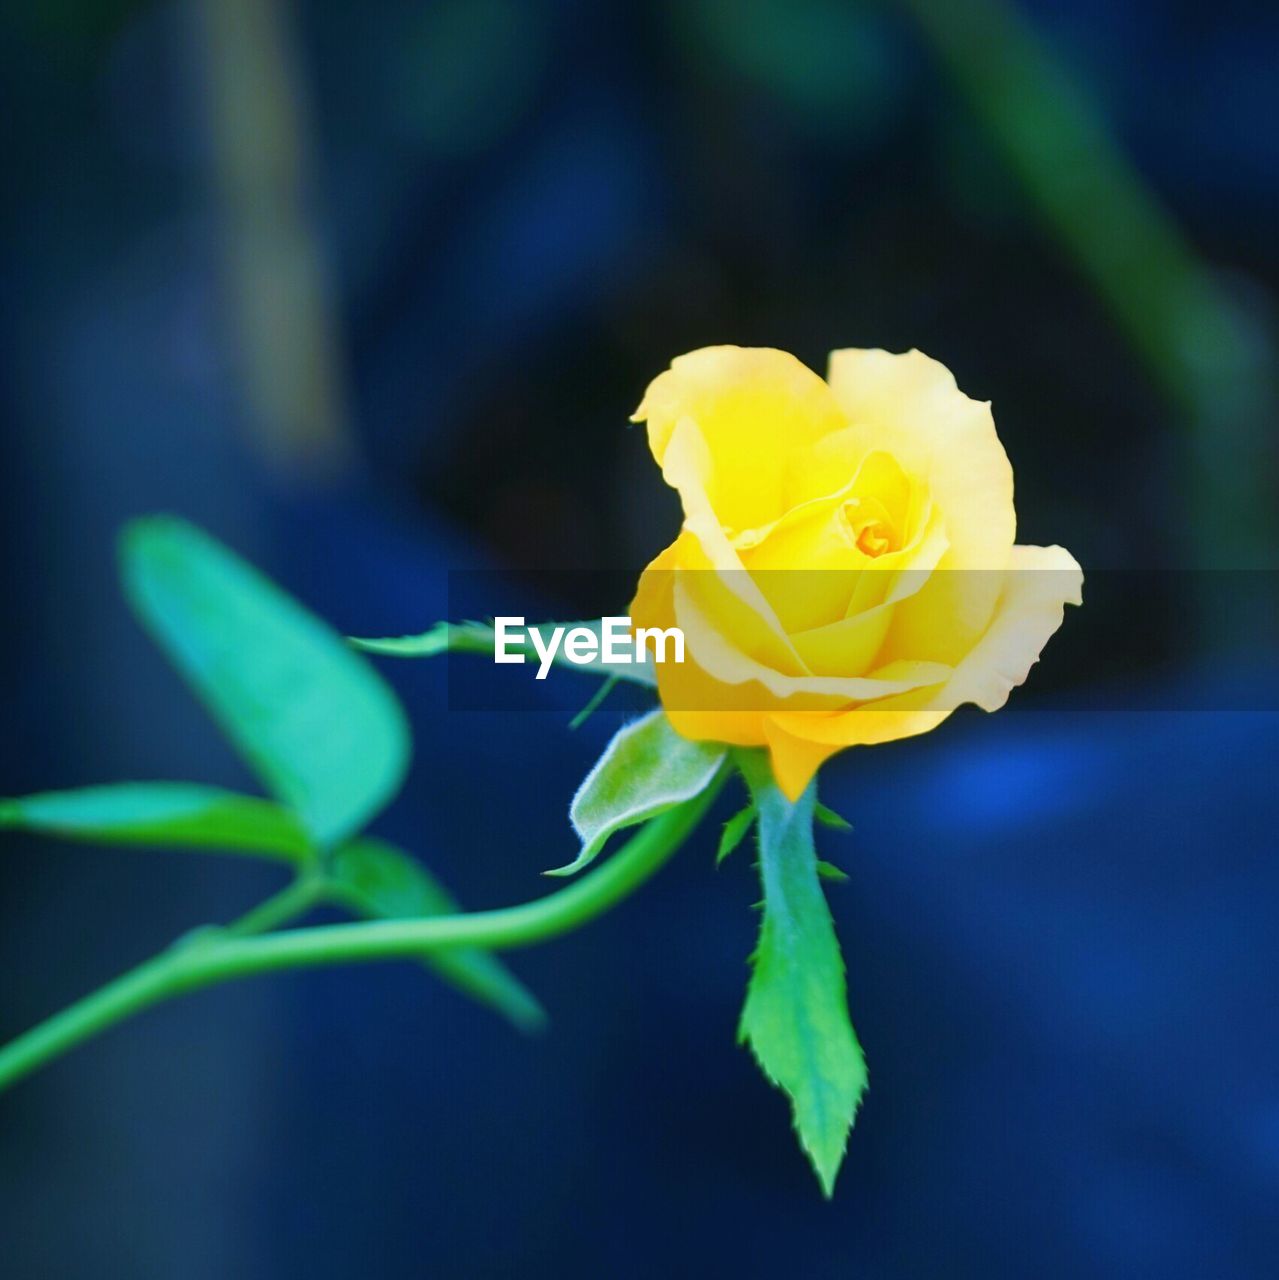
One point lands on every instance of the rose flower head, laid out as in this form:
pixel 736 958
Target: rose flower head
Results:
pixel 846 573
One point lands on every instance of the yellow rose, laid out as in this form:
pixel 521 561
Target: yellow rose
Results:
pixel 846 572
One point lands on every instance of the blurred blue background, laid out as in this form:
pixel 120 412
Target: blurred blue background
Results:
pixel 369 291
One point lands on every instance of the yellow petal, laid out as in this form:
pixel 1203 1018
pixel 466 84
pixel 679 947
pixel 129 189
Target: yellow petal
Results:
pixel 909 406
pixel 741 728
pixel 719 653
pixel 794 760
pixel 811 564
pixel 1038 585
pixel 731 598
pixel 850 645
pixel 689 696
pixel 755 408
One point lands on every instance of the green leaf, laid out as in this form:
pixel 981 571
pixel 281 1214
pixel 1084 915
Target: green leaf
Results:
pixel 829 818
pixel 829 871
pixel 162 813
pixel 646 769
pixel 384 883
pixel 443 637
pixel 320 727
pixel 796 1014
pixel 735 830
pixel 479 637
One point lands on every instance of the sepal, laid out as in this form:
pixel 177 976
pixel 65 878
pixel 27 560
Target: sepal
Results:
pixel 646 769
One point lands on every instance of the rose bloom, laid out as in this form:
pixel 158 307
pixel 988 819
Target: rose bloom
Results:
pixel 846 573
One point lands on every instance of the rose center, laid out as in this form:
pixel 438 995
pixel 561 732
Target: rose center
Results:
pixel 869 527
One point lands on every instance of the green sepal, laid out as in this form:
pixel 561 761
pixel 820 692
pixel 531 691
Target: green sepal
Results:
pixel 646 769
pixel 381 882
pixel 796 1014
pixel 176 814
pixel 317 724
pixel 734 832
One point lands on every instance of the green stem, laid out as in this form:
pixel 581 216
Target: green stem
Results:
pixel 219 955
pixel 143 986
pixel 294 899
pixel 298 896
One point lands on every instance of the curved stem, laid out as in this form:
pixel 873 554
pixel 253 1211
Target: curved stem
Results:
pixel 140 987
pixel 296 897
pixel 219 955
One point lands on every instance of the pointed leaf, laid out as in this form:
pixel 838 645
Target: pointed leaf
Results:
pixel 318 725
pixel 796 1014
pixel 735 830
pixel 829 818
pixel 443 637
pixel 180 814
pixel 645 770
pixel 384 883
pixel 479 637
pixel 829 871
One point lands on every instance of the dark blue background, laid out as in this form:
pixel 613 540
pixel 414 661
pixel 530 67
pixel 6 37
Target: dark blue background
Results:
pixel 1060 926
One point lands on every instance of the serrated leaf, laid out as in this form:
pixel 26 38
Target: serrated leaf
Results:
pixel 829 818
pixel 179 814
pixel 385 883
pixel 645 770
pixel 313 719
pixel 796 1013
pixel 479 637
pixel 734 832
